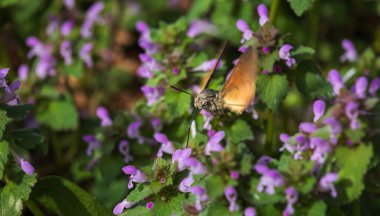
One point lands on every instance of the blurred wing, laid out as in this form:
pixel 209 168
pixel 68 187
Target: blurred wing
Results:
pixel 206 82
pixel 239 90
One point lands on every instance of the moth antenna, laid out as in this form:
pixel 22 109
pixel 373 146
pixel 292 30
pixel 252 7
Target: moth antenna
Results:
pixel 178 89
pixel 195 112
pixel 221 51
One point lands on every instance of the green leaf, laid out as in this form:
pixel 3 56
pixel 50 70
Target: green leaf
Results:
pixel 17 112
pixel 199 8
pixel 317 209
pixel 269 60
pixel 174 79
pixel 355 135
pixel 74 69
pixel 218 209
pixel 300 6
pixel 178 104
pixel 303 52
pixel 138 211
pixel 144 190
pixel 6 3
pixel 311 83
pixel 246 164
pixel 59 115
pixel 272 89
pixel 173 206
pixel 4 152
pixel 239 131
pixel 353 164
pixel 63 197
pixel 215 187
pixel 26 138
pixel 3 122
pixel 259 198
pixel 49 92
pixel 16 191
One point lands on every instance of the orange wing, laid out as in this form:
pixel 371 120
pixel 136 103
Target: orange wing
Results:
pixel 239 90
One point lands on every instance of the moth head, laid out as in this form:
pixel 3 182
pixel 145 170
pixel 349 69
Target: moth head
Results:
pixel 204 97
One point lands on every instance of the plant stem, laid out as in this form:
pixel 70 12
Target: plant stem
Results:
pixel 32 206
pixel 314 24
pixel 275 4
pixel 269 133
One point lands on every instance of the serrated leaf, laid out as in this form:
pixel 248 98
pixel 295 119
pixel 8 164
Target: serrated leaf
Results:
pixel 218 209
pixel 178 104
pixel 311 83
pixel 3 122
pixel 353 163
pixel 138 211
pixel 26 138
pixel 17 112
pixel 300 6
pixel 144 190
pixel 63 197
pixel 272 89
pixel 239 131
pixel 15 191
pixel 59 115
pixel 173 206
pixel 215 187
pixel 355 135
pixel 4 153
pixel 317 209
pixel 268 61
pixel 174 79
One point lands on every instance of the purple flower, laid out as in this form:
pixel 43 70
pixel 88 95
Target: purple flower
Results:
pixel 166 145
pixel 180 156
pixel 133 131
pixel 207 119
pixel 185 185
pixel 198 27
pixel 93 143
pixel 119 208
pixel 234 174
pixel 291 197
pixel 66 52
pixel 67 27
pixel 284 54
pixel 352 112
pixel 149 205
pixel 244 28
pixel 350 51
pixel 201 196
pixel 23 72
pixel 321 149
pixel 208 65
pixel 124 150
pixel 336 129
pixel 136 175
pixel 144 72
pixel 361 87
pixel 213 144
pixel 152 94
pixel 307 127
pixel 52 26
pixel 327 184
pixel 318 109
pixel 142 27
pixel 195 166
pixel 92 16
pixel 374 86
pixel 250 211
pixel 26 166
pixel 156 123
pixel 263 14
pixel 335 80
pixel 85 54
pixel 266 50
pixel 231 195
pixel 102 114
pixel 46 63
pixel 270 178
pixel 69 4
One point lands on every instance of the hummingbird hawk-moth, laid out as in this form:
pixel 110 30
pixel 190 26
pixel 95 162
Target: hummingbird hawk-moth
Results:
pixel 237 92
